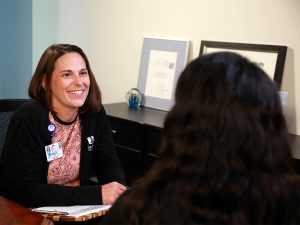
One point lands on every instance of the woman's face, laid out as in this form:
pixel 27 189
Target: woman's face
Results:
pixel 70 83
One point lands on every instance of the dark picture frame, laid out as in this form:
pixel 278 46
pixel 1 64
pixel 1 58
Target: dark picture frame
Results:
pixel 271 58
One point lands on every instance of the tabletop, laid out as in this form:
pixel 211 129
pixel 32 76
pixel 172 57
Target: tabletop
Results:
pixel 12 213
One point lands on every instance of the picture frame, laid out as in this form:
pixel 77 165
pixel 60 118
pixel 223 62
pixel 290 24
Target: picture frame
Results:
pixel 162 61
pixel 271 58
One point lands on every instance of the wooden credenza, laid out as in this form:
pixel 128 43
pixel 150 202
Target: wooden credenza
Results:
pixel 137 133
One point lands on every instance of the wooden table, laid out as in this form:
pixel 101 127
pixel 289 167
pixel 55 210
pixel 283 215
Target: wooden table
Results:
pixel 12 213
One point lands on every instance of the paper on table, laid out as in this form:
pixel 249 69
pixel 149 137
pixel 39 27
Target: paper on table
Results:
pixel 75 211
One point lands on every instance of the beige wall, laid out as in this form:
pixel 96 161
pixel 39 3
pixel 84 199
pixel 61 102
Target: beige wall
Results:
pixel 111 32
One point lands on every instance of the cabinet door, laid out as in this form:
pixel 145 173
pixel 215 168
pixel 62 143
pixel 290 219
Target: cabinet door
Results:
pixel 128 138
pixel 131 161
pixel 152 136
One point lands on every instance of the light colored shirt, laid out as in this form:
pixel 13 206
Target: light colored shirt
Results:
pixel 65 170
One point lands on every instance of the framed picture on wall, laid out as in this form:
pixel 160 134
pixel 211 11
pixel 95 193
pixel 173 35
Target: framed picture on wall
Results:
pixel 161 63
pixel 270 58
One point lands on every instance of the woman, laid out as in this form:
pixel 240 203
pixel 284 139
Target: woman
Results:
pixel 61 137
pixel 225 156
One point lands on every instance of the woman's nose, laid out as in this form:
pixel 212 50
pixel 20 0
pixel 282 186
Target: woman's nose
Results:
pixel 78 79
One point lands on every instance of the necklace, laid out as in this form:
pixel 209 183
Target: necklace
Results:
pixel 63 122
pixel 67 125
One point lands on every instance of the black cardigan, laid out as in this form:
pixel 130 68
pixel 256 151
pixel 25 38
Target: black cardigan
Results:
pixel 24 167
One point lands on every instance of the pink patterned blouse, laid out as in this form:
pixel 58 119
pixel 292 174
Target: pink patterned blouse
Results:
pixel 65 170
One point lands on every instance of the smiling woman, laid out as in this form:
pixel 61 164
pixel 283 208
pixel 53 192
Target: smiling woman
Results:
pixel 70 85
pixel 60 138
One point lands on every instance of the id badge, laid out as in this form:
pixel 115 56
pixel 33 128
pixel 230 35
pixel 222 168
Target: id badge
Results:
pixel 54 151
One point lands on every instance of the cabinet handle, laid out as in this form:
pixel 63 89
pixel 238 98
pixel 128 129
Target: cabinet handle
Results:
pixel 113 131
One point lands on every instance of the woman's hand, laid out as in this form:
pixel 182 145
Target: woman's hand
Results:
pixel 111 192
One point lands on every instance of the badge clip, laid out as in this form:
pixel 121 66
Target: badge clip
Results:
pixel 51 129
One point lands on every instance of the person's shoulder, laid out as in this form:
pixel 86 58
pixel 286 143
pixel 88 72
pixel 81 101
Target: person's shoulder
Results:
pixel 99 114
pixel 30 115
pixel 31 108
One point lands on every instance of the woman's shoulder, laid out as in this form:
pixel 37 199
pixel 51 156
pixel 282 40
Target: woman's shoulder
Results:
pixel 99 114
pixel 32 108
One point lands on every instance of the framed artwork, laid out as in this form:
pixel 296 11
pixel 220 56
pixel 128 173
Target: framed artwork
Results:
pixel 270 58
pixel 162 61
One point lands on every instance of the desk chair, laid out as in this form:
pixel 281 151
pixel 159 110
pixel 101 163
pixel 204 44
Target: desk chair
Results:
pixel 7 108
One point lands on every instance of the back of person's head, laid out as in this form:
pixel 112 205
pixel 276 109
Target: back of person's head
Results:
pixel 227 111
pixel 225 156
pixel 45 69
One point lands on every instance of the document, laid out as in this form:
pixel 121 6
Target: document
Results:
pixel 161 74
pixel 72 211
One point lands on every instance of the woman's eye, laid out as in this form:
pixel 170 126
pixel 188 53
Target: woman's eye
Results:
pixel 66 74
pixel 83 73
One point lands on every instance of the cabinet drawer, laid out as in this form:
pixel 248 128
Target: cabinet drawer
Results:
pixel 127 134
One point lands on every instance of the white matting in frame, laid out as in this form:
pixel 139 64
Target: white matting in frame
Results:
pixel 162 62
pixel 271 58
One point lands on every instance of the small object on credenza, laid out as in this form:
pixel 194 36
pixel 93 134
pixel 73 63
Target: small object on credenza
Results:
pixel 134 98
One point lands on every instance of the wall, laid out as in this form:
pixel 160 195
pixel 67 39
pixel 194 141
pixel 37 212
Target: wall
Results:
pixel 44 23
pixel 111 32
pixel 15 48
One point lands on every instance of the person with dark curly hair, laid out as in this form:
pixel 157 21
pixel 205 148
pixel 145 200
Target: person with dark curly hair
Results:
pixel 61 137
pixel 224 155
